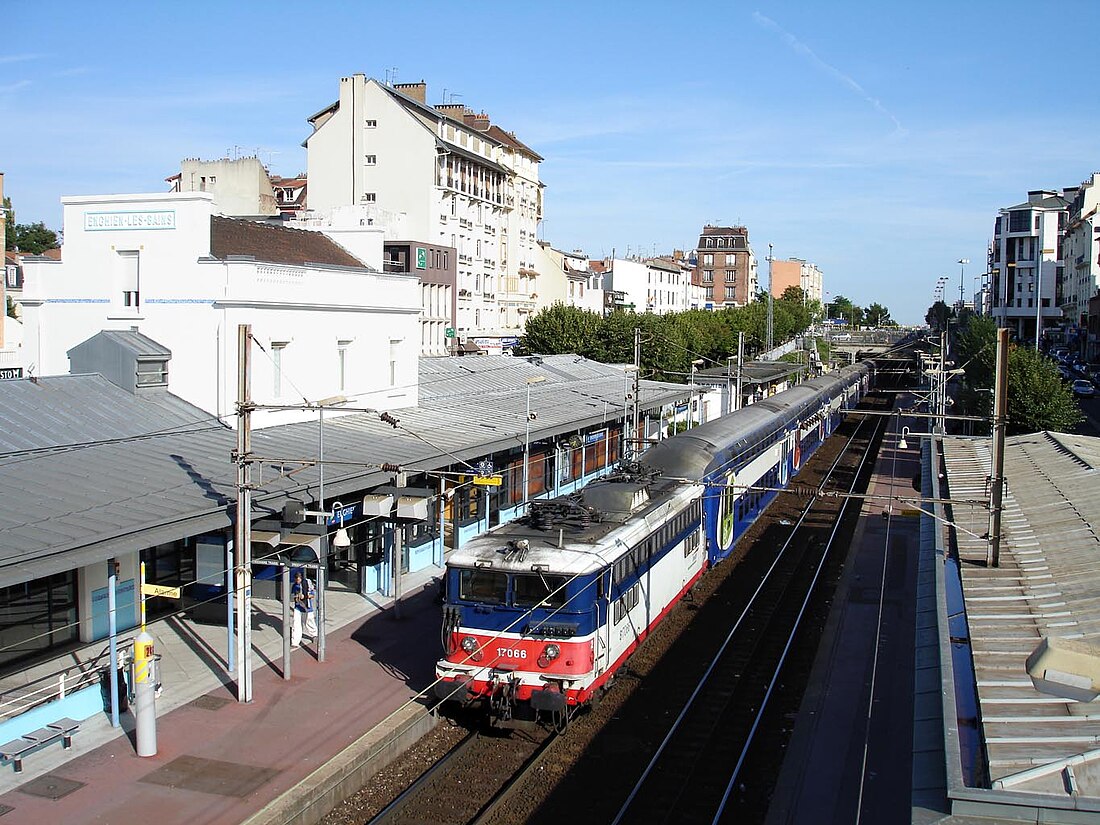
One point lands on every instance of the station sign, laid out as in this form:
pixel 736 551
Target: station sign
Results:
pixel 421 258
pixel 488 481
pixel 8 373
pixel 160 590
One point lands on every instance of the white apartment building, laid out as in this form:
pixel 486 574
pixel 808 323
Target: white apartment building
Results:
pixel 1026 263
pixel 1081 252
pixel 459 180
pixel 655 285
pixel 323 324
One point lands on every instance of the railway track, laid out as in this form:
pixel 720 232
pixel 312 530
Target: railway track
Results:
pixel 586 773
pixel 471 783
pixel 696 769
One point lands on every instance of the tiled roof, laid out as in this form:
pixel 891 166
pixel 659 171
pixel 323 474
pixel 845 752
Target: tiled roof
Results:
pixel 509 139
pixel 276 244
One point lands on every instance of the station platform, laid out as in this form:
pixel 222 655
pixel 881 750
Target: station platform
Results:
pixel 222 761
pixel 850 756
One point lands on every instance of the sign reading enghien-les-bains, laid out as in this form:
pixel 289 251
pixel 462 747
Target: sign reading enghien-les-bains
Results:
pixel 103 221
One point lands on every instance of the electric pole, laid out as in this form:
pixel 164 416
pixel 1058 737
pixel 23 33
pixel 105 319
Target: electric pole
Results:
pixel 996 479
pixel 770 341
pixel 637 380
pixel 243 532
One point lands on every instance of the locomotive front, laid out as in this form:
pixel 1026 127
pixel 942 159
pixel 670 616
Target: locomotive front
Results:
pixel 518 627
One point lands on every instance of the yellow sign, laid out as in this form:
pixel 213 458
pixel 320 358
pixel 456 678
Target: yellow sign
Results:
pixel 488 481
pixel 160 590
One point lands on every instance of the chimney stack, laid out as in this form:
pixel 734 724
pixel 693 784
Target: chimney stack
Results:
pixel 417 91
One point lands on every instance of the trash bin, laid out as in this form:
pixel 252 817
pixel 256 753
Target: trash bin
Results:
pixel 123 692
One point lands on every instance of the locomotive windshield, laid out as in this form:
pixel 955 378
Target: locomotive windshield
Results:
pixel 533 589
pixel 483 586
pixel 527 589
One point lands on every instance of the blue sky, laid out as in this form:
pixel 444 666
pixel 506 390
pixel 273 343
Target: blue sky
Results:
pixel 876 141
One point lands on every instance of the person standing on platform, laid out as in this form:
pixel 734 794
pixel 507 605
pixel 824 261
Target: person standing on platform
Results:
pixel 303 593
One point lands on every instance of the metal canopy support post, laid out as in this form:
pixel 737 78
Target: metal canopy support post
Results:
pixel 740 367
pixel 243 583
pixel 322 556
pixel 112 624
pixel 284 574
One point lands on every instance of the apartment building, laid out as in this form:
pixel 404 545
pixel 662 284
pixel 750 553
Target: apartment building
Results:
pixel 457 179
pixel 799 273
pixel 240 186
pixel 725 267
pixel 1026 263
pixel 1081 253
pixel 657 285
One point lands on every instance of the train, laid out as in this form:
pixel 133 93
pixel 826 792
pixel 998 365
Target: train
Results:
pixel 540 613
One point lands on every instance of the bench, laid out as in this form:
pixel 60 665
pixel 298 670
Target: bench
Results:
pixel 15 750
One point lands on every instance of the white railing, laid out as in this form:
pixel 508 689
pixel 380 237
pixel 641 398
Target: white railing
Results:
pixel 10 358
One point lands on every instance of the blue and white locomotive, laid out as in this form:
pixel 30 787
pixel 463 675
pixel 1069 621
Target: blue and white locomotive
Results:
pixel 542 611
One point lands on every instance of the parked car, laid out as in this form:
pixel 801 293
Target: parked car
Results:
pixel 1064 371
pixel 1083 388
pixel 842 336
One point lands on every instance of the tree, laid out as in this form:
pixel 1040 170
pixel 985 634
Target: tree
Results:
pixel 843 308
pixel 559 329
pixel 34 239
pixel 878 316
pixel 938 315
pixel 1038 399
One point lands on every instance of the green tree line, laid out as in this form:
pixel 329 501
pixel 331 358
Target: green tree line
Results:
pixel 669 342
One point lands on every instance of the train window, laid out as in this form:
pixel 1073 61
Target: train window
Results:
pixel 627 602
pixel 483 586
pixel 530 590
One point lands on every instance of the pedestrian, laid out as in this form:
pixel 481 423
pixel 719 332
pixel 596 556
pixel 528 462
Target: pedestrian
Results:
pixel 303 593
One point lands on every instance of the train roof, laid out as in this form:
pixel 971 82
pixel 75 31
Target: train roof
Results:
pixel 692 454
pixel 569 534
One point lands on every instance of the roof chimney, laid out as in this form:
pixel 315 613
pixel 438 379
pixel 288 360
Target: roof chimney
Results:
pixel 417 91
pixel 479 121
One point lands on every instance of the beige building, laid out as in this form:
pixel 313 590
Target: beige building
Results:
pixel 798 273
pixel 455 178
pixel 241 186
pixel 1080 274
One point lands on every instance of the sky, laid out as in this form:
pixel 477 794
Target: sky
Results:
pixel 874 139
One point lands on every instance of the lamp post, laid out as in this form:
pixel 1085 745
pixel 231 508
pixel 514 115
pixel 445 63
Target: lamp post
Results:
pixel 1039 250
pixel 696 363
pixel 527 435
pixel 962 269
pixel 322 557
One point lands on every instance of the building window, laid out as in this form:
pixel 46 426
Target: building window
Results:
pixel 129 273
pixel 39 615
pixel 731 276
pixel 708 259
pixel 371 160
pixel 371 124
pixel 369 197
pixel 708 276
pixel 395 345
pixel 710 293
pixel 342 363
pixel 277 348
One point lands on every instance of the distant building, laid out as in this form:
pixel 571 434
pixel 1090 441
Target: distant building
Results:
pixel 240 186
pixel 165 265
pixel 797 273
pixel 1027 264
pixel 725 267
pixel 290 195
pixel 434 266
pixel 457 179
pixel 1081 252
pixel 569 278
pixel 656 285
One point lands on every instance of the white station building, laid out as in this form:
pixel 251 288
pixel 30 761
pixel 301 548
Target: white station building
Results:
pixel 323 323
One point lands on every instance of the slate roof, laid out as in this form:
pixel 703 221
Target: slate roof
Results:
pixel 276 244
pixel 97 472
